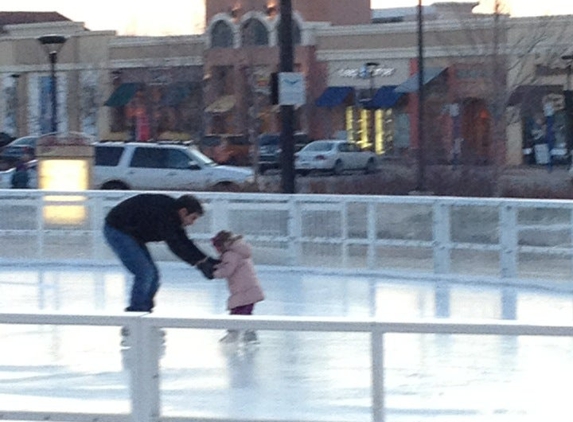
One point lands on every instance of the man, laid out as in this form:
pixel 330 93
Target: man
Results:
pixel 153 218
pixel 21 177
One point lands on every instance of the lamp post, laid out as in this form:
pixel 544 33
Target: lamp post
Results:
pixel 371 68
pixel 15 105
pixel 568 59
pixel 52 45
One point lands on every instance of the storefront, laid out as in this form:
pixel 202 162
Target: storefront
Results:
pixel 361 104
pixel 543 122
pixel 163 104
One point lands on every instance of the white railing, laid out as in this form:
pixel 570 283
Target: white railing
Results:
pixel 507 239
pixel 145 371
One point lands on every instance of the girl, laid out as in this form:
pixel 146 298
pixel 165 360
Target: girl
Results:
pixel 237 267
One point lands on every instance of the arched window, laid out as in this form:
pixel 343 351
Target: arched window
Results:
pixel 254 32
pixel 221 35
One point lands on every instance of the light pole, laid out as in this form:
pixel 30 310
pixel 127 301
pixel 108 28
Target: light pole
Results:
pixel 286 50
pixel 371 68
pixel 568 59
pixel 52 45
pixel 15 104
pixel 421 178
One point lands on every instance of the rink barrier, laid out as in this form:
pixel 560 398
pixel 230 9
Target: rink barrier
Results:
pixel 507 239
pixel 145 371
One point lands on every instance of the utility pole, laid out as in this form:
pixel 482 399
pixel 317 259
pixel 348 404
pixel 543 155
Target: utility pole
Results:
pixel 421 177
pixel 15 106
pixel 497 153
pixel 287 111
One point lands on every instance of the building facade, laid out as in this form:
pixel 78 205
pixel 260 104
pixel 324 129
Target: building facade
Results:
pixel 495 82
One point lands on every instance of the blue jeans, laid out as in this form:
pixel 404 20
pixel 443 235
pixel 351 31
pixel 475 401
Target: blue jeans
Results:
pixel 136 258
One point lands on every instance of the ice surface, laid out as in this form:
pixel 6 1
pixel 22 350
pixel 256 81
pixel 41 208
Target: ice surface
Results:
pixel 289 375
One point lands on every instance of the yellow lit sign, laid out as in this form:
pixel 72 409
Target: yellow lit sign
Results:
pixel 380 148
pixel 350 123
pixel 363 141
pixel 64 175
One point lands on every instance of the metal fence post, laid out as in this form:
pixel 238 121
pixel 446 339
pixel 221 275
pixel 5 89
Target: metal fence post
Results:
pixel 96 207
pixel 372 235
pixel 295 231
pixel 40 201
pixel 508 240
pixel 219 210
pixel 145 352
pixel 344 243
pixel 441 235
pixel 377 351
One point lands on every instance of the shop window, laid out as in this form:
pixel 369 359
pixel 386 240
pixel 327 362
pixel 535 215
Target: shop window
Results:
pixel 254 32
pixel 221 35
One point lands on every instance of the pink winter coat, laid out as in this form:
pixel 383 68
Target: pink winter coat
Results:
pixel 237 267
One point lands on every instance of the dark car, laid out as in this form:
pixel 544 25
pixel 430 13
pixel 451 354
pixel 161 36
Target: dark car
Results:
pixel 5 139
pixel 270 149
pixel 14 151
pixel 227 149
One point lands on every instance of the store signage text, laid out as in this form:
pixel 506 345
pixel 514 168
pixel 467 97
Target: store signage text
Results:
pixel 363 73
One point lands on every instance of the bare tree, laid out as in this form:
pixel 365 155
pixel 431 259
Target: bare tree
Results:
pixel 500 51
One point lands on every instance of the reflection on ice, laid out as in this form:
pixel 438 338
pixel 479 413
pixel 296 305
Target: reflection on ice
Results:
pixel 288 375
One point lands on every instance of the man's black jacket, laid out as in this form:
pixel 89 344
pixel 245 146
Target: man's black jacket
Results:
pixel 154 218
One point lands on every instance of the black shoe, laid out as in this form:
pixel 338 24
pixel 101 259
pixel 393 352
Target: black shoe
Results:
pixel 132 309
pixel 231 337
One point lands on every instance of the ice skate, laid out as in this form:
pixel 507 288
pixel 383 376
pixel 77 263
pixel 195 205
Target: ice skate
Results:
pixel 125 340
pixel 125 348
pixel 250 337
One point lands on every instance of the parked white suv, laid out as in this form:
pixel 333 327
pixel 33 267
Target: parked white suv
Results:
pixel 162 166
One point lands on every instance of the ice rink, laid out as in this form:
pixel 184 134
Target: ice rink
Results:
pixel 289 376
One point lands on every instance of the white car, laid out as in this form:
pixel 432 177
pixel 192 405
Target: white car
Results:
pixel 6 176
pixel 336 156
pixel 162 166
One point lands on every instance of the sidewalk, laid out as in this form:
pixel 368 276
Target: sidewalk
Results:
pixel 400 178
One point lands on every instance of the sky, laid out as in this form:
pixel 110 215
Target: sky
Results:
pixel 176 17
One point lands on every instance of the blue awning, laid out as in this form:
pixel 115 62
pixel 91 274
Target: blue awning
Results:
pixel 122 95
pixel 386 97
pixel 334 96
pixel 411 84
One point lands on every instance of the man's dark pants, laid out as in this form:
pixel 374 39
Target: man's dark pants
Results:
pixel 136 258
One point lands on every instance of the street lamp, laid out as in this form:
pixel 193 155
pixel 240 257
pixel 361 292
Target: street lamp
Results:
pixel 371 68
pixel 568 59
pixel 52 45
